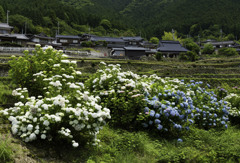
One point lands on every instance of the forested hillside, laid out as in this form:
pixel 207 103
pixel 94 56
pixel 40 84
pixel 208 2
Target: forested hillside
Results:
pixel 149 18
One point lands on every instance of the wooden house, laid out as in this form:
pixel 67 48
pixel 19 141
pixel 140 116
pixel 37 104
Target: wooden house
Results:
pixel 110 42
pixel 133 41
pixel 129 52
pixel 68 40
pixel 42 39
pixel 170 48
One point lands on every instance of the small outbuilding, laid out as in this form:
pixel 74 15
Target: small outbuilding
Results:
pixel 129 52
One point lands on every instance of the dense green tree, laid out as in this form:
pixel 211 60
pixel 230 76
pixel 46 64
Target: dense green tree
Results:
pixel 191 45
pixel 154 40
pixel 208 48
pixel 170 36
pixel 106 24
pixel 228 51
pixel 20 22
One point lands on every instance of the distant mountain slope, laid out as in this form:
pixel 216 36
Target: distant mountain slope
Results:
pixel 155 16
pixel 149 17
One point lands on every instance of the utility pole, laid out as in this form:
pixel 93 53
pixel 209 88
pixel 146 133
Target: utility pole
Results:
pixel 221 36
pixel 25 28
pixel 199 42
pixel 7 15
pixel 58 27
pixel 173 34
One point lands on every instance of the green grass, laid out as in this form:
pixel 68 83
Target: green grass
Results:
pixel 6 153
pixel 121 146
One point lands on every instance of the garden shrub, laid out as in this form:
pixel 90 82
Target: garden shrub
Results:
pixel 159 56
pixel 64 110
pixel 121 92
pixel 174 105
pixel 10 44
pixel 208 48
pixel 22 68
pixel 234 112
pixel 87 44
pixel 228 51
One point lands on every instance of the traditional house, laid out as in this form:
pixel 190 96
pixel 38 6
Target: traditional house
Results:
pixel 5 28
pixel 170 48
pixel 21 39
pixel 42 39
pixel 110 42
pixel 222 44
pixel 133 41
pixel 6 36
pixel 68 40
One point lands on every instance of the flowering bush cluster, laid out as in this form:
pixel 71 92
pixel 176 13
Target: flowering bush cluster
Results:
pixel 64 110
pixel 234 100
pixel 174 106
pixel 163 104
pixel 121 92
pixel 42 61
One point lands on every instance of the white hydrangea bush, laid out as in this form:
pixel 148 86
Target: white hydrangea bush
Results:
pixel 121 92
pixel 65 110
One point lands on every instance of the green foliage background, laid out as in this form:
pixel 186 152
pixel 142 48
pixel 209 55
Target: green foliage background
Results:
pixel 144 17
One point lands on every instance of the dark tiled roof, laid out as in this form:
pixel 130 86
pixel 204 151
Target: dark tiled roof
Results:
pixel 134 48
pixel 115 45
pixel 5 26
pixel 20 36
pixel 137 38
pixel 68 36
pixel 107 39
pixel 43 36
pixel 223 43
pixel 170 46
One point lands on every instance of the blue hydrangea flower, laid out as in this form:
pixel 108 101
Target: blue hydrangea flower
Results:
pixel 179 140
pixel 155 98
pixel 152 113
pixel 159 127
pixel 163 106
pixel 157 121
pixel 166 114
pixel 173 113
pixel 189 111
pixel 223 122
pixel 150 122
pixel 181 116
pixel 146 109
pixel 191 121
pixel 157 115
pixel 181 104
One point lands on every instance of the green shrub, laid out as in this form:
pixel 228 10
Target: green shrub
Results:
pixel 159 56
pixel 87 44
pixel 189 56
pixel 208 48
pixel 227 51
pixel 10 44
pixel 22 69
